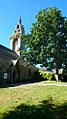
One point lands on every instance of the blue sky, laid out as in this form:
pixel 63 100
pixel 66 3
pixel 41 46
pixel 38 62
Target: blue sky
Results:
pixel 10 10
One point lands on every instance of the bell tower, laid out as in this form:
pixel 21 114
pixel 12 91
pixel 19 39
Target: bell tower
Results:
pixel 16 42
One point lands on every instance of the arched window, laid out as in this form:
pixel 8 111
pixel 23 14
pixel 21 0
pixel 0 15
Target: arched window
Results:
pixel 15 45
pixel 17 26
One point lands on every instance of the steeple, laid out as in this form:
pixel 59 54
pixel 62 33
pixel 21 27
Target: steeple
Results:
pixel 19 20
pixel 16 42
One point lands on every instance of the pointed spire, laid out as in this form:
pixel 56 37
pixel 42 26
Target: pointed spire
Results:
pixel 19 20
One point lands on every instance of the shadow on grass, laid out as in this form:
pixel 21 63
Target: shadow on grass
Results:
pixel 18 84
pixel 37 78
pixel 22 83
pixel 45 110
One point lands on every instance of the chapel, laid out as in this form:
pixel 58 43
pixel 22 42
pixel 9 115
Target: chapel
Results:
pixel 13 69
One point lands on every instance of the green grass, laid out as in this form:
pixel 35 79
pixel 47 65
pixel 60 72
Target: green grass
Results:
pixel 34 101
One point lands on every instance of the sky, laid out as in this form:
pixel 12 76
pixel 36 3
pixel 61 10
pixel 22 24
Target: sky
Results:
pixel 10 10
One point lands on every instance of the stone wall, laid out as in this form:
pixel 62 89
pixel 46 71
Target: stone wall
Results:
pixel 17 73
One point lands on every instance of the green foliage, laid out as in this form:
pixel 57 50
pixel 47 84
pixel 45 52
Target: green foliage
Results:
pixel 50 76
pixel 47 40
pixel 63 76
pixel 43 74
pixel 47 75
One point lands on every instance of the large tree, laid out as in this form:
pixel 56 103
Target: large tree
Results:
pixel 46 42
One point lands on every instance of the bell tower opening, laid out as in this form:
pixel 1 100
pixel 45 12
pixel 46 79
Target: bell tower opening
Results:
pixel 15 45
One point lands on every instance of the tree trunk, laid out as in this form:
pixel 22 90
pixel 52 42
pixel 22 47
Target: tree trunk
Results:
pixel 57 75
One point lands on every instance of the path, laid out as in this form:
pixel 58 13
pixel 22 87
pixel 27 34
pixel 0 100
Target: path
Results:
pixel 37 84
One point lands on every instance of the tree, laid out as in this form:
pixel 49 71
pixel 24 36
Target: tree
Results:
pixel 46 42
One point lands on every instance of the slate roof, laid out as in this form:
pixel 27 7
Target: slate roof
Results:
pixel 7 54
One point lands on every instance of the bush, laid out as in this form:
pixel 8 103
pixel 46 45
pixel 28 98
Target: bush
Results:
pixel 47 75
pixel 63 76
pixel 50 76
pixel 38 77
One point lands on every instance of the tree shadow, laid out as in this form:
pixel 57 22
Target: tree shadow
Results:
pixel 45 110
pixel 18 84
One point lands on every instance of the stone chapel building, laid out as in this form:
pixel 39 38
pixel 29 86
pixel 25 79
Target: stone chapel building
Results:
pixel 12 68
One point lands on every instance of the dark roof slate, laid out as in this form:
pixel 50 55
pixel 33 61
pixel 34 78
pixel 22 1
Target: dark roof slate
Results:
pixel 7 54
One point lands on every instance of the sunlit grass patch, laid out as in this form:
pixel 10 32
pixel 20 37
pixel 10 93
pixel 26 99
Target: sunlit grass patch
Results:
pixel 33 101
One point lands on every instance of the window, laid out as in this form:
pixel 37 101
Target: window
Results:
pixel 15 45
pixel 17 26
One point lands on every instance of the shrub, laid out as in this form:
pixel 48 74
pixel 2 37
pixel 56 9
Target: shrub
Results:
pixel 43 74
pixel 38 77
pixel 63 76
pixel 47 75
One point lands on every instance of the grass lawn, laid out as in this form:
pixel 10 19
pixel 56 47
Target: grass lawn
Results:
pixel 34 101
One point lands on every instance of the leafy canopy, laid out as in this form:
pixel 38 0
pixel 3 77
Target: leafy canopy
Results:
pixel 46 42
